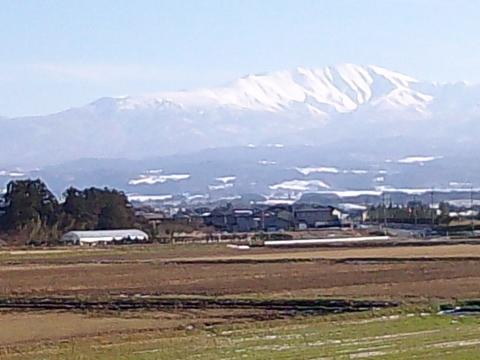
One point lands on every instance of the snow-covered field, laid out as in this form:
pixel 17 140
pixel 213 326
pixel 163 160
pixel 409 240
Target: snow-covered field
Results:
pixel 157 179
pixel 300 185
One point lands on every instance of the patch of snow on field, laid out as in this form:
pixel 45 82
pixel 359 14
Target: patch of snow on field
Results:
pixel 279 146
pixel 418 159
pixel 267 162
pixel 230 198
pixel 459 184
pixel 226 179
pixel 357 171
pixel 272 202
pixel 386 189
pixel 311 170
pixel 348 206
pixel 300 185
pixel 455 344
pixel 11 173
pixel 143 198
pixel 157 179
pixel 408 191
pixel 467 213
pixel 353 193
pixel 460 202
pixel 367 354
pixel 220 186
pixel 196 197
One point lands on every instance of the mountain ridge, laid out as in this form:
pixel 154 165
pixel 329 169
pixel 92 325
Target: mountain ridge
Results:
pixel 291 107
pixel 343 87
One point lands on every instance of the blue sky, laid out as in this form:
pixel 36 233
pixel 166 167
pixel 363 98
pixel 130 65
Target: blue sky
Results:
pixel 57 54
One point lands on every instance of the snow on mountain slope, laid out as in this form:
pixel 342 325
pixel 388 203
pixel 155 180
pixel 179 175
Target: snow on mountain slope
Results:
pixel 341 88
pixel 302 106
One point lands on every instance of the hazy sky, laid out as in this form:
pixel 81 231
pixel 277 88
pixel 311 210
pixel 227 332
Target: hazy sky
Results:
pixel 57 54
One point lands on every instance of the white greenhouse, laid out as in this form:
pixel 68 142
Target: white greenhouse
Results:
pixel 94 237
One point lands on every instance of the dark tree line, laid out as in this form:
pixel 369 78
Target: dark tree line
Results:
pixel 410 214
pixel 32 213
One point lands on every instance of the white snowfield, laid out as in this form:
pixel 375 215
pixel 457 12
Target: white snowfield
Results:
pixel 272 202
pixel 226 179
pixel 348 206
pixel 300 185
pixel 157 179
pixel 356 171
pixel 418 159
pixel 459 184
pixel 144 198
pixel 352 193
pixel 278 146
pixel 11 173
pixel 222 186
pixel 267 162
pixel 311 170
pixel 388 189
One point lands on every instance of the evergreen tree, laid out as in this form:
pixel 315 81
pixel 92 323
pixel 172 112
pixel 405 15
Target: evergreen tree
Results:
pixel 30 210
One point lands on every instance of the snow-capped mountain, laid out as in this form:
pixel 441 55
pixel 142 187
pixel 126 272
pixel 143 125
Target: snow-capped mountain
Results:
pixel 341 89
pixel 344 103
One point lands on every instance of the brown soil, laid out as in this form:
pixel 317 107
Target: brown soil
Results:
pixel 394 273
pixel 401 274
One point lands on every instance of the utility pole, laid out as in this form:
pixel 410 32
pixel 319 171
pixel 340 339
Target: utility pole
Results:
pixel 432 208
pixel 415 208
pixel 384 214
pixel 471 211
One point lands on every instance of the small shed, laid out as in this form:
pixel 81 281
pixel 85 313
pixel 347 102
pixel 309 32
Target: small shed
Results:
pixel 94 237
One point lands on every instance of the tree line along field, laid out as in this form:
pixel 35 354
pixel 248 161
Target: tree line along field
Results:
pixel 414 279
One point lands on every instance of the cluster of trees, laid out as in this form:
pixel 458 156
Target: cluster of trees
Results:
pixel 30 212
pixel 416 213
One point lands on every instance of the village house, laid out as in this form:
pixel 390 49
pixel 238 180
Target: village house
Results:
pixel 272 219
pixel 232 220
pixel 311 217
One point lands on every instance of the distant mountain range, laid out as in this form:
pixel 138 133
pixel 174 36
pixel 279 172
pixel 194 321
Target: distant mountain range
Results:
pixel 282 134
pixel 298 107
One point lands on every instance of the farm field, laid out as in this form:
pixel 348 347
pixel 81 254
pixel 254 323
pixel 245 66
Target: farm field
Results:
pixel 388 335
pixel 413 273
pixel 212 302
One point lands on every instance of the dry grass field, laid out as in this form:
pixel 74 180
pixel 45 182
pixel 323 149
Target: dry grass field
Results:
pixel 418 277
